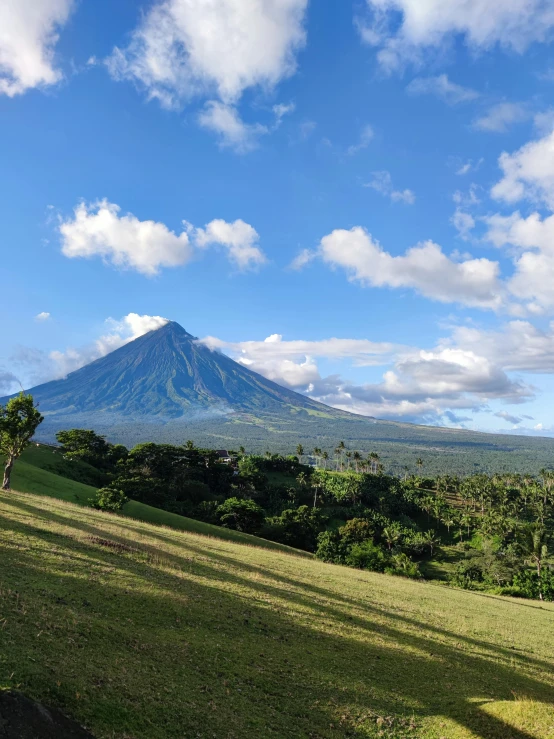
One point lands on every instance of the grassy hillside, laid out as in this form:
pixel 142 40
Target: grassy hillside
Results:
pixel 29 478
pixel 148 633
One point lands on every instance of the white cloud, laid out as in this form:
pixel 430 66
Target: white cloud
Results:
pixel 185 48
pixel 28 36
pixel 239 238
pixel 528 173
pixel 464 223
pixel 146 246
pixel 534 260
pixel 366 137
pixel 41 317
pixel 225 121
pixel 424 268
pixel 382 183
pixel 501 116
pixel 302 259
pixel 407 30
pixel 420 385
pixel 281 110
pixel 98 229
pixel 443 88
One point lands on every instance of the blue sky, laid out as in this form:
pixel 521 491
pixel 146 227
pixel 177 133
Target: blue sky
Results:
pixel 368 185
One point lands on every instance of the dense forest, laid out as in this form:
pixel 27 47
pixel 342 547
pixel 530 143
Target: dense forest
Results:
pixel 480 532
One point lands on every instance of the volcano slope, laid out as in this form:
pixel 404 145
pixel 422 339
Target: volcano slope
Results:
pixel 140 631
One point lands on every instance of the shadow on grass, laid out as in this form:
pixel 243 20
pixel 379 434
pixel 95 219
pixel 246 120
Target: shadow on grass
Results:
pixel 297 675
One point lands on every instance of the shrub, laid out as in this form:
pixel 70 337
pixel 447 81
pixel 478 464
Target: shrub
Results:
pixel 367 556
pixel 110 499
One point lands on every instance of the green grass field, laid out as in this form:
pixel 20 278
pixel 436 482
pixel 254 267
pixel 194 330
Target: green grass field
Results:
pixel 27 477
pixel 142 632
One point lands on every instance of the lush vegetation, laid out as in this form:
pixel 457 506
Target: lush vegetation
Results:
pixel 150 633
pixel 32 474
pixel 494 532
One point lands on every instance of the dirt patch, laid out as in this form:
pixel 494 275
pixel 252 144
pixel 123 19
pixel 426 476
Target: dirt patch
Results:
pixel 23 718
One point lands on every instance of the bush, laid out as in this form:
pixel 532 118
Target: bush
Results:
pixel 109 499
pixel 330 547
pixel 367 556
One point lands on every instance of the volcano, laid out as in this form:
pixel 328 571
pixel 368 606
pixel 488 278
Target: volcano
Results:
pixel 165 375
pixel 166 386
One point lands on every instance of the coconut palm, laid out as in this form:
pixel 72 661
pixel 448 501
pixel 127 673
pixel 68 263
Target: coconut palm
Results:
pixel 325 457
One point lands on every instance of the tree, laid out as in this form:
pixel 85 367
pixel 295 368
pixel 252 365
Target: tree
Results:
pixel 325 457
pixel 534 544
pixel 300 451
pixel 391 536
pixel 242 515
pixel 19 419
pixel 85 445
pixel 419 463
pixel 357 457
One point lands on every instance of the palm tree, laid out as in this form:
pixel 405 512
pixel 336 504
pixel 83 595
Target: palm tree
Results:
pixel 317 455
pixel 348 456
pixel 325 457
pixel 391 536
pixel 300 451
pixel 189 445
pixel 535 549
pixel 419 463
pixel 242 451
pixel 341 447
pixel 357 457
pixel 431 540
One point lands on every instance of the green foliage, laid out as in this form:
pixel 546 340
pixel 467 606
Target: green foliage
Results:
pixel 367 556
pixel 87 446
pixel 110 499
pixel 241 515
pixel 297 528
pixel 19 419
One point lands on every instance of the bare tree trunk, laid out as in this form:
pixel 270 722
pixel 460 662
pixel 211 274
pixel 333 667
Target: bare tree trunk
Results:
pixel 7 474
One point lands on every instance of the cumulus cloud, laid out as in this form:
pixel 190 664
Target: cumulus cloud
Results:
pixel 420 385
pixel 28 36
pixel 443 88
pixel 188 48
pixel 99 229
pixel 528 173
pixel 41 317
pixel 405 31
pixel 424 267
pixel 239 238
pixel 366 137
pixel 382 182
pixel 518 346
pixel 501 116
